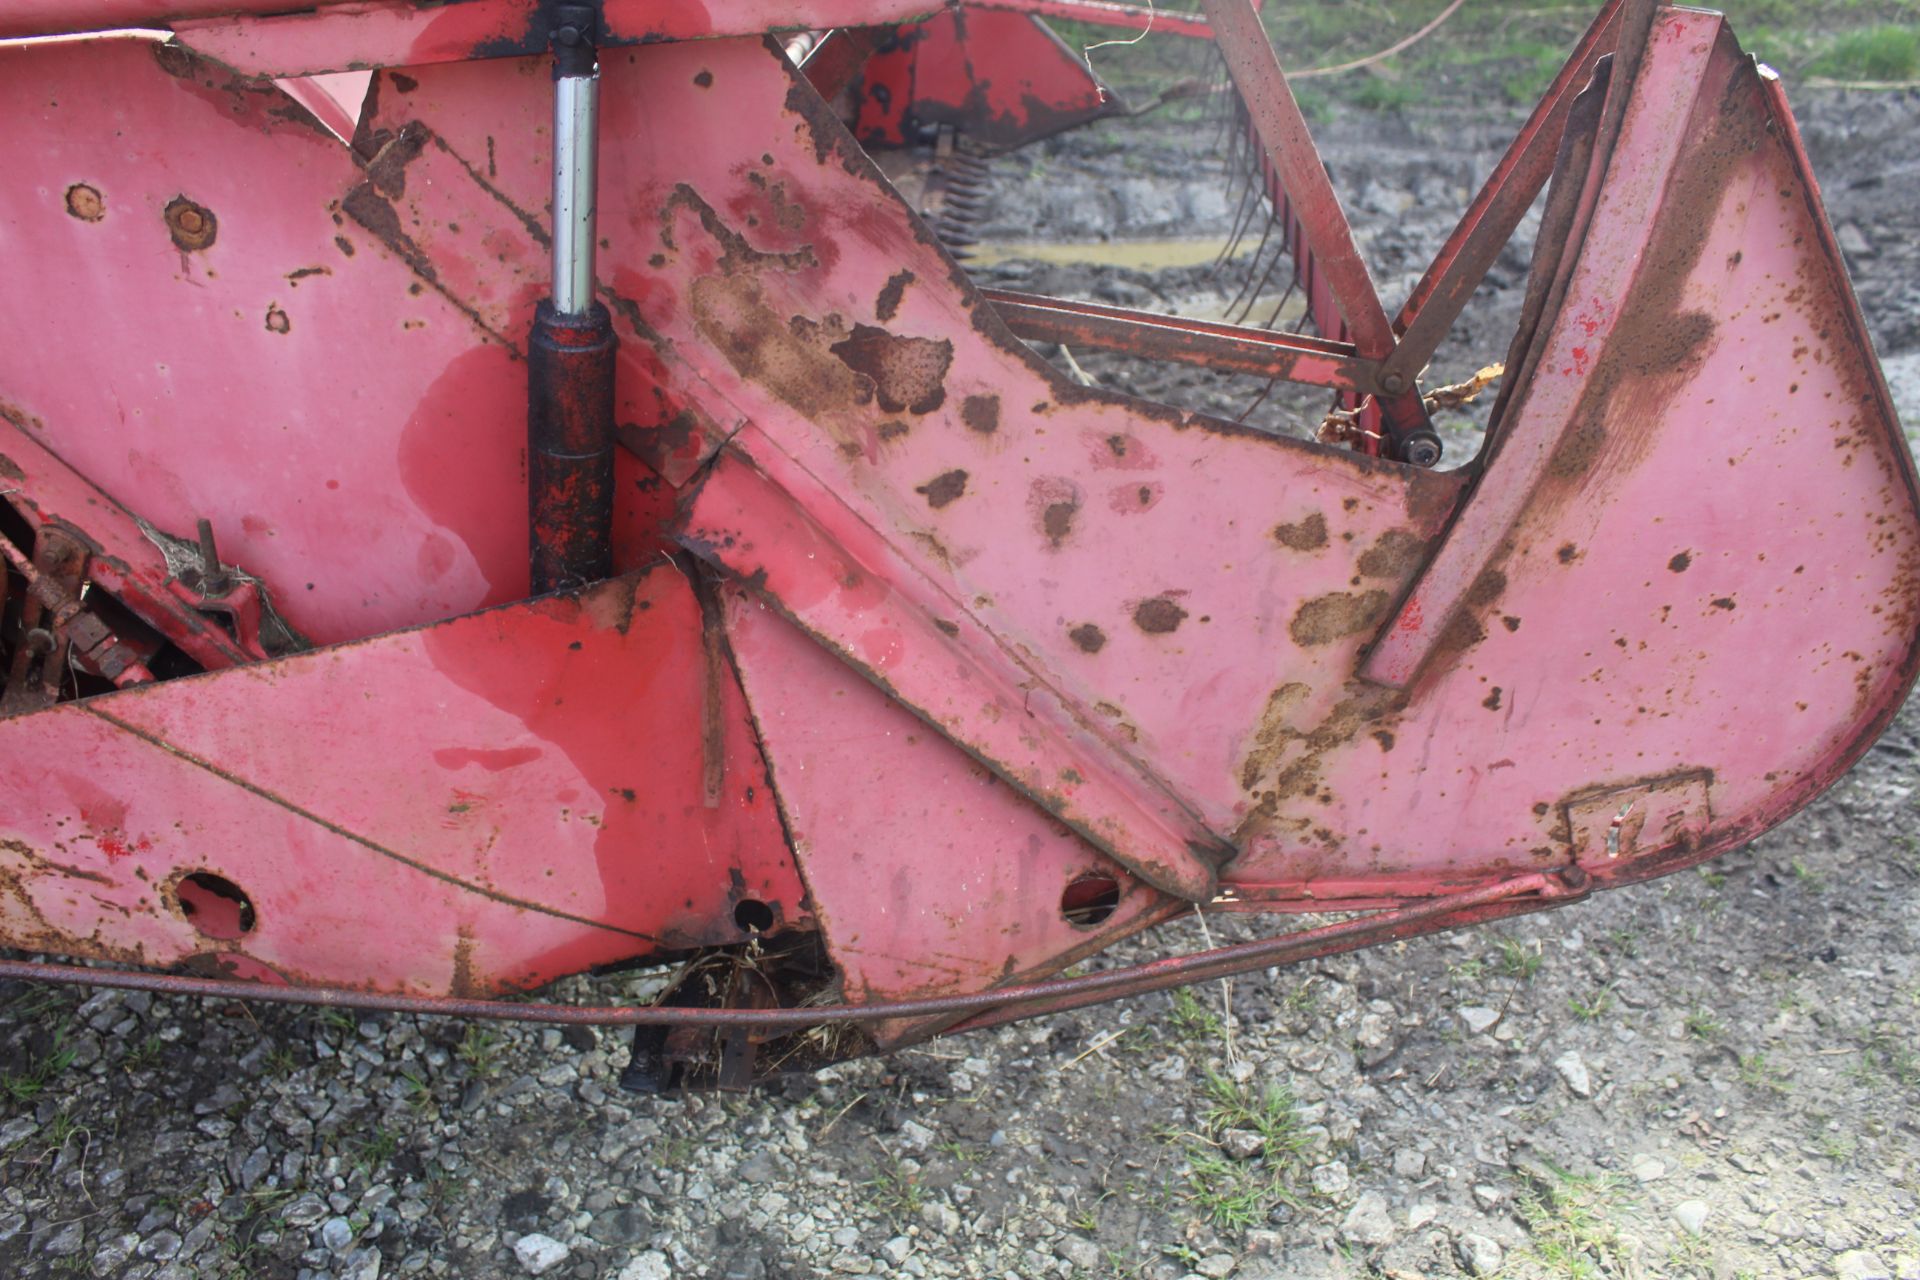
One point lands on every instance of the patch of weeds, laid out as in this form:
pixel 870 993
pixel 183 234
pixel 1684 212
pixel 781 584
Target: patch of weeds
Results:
pixel 29 1080
pixel 1891 1054
pixel 1702 1025
pixel 377 1150
pixel 1519 961
pixel 1301 1001
pixel 1379 93
pixel 1875 53
pixel 1835 1146
pixel 1712 877
pixel 419 1092
pixel 339 1020
pixel 282 1062
pixel 1806 875
pixel 959 1152
pixel 1592 1007
pixel 1236 1194
pixel 1625 940
pixel 1469 970
pixel 1690 1256
pixel 895 1193
pixel 1757 1073
pixel 480 1048
pixel 62 1128
pixel 1567 1218
pixel 143 1055
pixel 1192 1018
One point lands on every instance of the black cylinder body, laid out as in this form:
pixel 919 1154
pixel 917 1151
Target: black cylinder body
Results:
pixel 570 448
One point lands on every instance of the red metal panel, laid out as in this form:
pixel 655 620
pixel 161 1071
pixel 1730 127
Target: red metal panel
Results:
pixel 479 805
pixel 1002 79
pixel 926 874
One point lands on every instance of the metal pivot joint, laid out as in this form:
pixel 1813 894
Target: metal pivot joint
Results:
pixel 570 353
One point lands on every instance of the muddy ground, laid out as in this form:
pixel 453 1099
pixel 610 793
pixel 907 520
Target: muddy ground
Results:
pixel 1715 1075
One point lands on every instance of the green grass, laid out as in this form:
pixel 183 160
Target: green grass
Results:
pixel 1702 1025
pixel 480 1049
pixel 28 1080
pixel 1569 1221
pixel 1872 53
pixel 895 1193
pixel 1757 1073
pixel 1192 1018
pixel 1517 960
pixel 1593 1007
pixel 1237 1194
pixel 1492 48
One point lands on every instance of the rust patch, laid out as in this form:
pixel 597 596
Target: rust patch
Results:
pixel 1057 521
pixel 1309 534
pixel 1324 619
pixel 1158 616
pixel 908 374
pixel 277 321
pixel 891 430
pixel 1680 562
pixel 981 414
pixel 943 488
pixel 1360 711
pixel 1395 554
pixel 887 305
pixel 192 226
pixel 1492 701
pixel 731 313
pixel 85 203
pixel 736 254
pixel 704 79
pixel 1053 502
pixel 1089 638
pixel 1723 602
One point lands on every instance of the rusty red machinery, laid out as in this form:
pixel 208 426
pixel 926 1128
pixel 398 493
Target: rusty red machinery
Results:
pixel 505 490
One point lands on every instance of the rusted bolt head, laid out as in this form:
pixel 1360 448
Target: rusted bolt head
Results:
pixel 1421 451
pixel 191 225
pixel 1393 383
pixel 85 202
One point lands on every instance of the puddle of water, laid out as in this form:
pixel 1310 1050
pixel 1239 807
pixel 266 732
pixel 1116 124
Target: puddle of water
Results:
pixel 1141 255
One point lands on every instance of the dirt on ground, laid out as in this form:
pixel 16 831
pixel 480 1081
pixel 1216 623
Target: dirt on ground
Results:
pixel 1713 1075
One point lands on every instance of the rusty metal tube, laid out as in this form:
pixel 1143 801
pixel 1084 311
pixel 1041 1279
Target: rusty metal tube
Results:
pixel 1532 891
pixel 570 446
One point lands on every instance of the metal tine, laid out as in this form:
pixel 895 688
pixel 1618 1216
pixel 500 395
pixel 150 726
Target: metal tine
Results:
pixel 1242 218
pixel 1293 287
pixel 1259 399
pixel 1254 272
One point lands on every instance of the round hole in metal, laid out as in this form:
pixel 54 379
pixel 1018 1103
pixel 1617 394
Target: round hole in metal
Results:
pixel 1089 900
pixel 215 905
pixel 753 915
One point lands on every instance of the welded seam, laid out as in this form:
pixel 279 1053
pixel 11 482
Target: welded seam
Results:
pixel 343 833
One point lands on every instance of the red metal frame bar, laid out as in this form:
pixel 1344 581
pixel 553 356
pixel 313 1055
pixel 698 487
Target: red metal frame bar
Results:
pixel 1234 348
pixel 1288 145
pixel 1490 221
pixel 1531 892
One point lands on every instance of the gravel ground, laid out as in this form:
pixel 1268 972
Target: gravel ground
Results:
pixel 1715 1075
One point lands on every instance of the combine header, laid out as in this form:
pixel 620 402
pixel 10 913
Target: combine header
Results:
pixel 554 504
